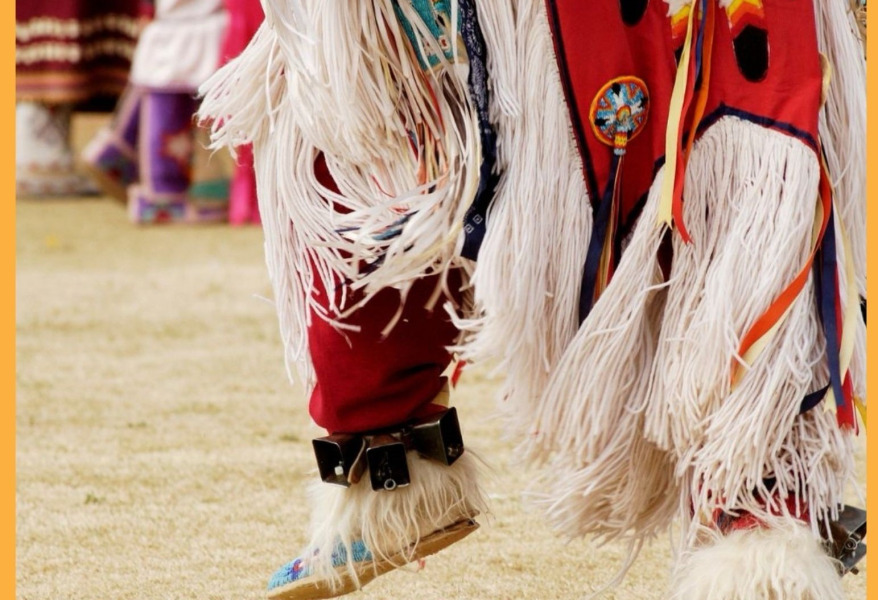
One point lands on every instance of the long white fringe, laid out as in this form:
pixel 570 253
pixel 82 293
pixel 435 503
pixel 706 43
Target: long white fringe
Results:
pixel 530 266
pixel 749 208
pixel 308 82
pixel 629 491
pixel 653 360
pixel 402 144
pixel 843 121
pixel 599 383
pixel 808 456
pixel 784 561
pixel 390 522
pixel 245 100
pixel 608 481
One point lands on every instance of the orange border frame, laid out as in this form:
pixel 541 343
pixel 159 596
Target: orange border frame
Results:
pixel 7 251
pixel 872 271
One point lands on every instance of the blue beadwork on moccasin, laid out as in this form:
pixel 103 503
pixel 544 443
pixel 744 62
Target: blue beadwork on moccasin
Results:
pixel 296 570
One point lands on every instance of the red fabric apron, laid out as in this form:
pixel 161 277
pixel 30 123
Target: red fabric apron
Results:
pixel 594 46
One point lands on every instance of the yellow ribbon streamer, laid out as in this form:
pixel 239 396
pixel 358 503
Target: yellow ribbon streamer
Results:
pixel 675 117
pixel 861 408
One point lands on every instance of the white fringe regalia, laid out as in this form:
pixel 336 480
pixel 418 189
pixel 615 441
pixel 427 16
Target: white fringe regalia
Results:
pixel 641 422
pixel 402 145
pixel 390 111
pixel 634 409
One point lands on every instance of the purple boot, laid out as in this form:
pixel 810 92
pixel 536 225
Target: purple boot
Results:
pixel 166 148
pixel 110 158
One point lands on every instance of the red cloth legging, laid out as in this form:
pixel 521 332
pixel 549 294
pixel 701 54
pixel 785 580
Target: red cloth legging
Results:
pixel 368 381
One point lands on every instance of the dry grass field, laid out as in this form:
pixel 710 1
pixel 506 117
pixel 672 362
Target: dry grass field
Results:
pixel 162 453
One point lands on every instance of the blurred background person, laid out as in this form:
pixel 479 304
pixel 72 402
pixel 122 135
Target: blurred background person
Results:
pixel 145 156
pixel 149 155
pixel 68 54
pixel 245 17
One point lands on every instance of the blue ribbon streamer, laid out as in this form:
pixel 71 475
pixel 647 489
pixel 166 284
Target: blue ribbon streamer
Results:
pixel 596 244
pixel 827 307
pixel 475 221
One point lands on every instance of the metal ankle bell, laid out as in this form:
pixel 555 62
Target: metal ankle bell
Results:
pixel 339 458
pixel 846 536
pixel 342 458
pixel 388 467
pixel 439 437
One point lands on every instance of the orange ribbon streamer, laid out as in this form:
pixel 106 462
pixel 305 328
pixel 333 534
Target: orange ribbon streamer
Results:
pixel 764 327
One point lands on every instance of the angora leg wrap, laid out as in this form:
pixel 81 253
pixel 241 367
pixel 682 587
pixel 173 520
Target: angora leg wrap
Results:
pixel 784 561
pixel 390 522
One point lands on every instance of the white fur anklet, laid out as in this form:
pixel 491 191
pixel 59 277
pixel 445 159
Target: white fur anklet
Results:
pixel 784 561
pixel 381 530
